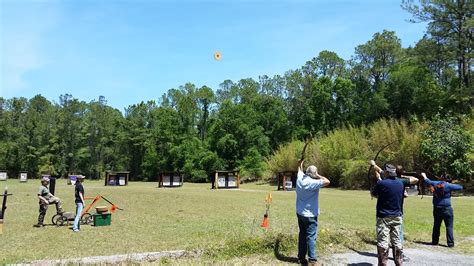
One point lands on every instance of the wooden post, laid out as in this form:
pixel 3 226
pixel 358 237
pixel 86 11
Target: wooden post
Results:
pixel 4 207
pixel 4 203
pixel 238 179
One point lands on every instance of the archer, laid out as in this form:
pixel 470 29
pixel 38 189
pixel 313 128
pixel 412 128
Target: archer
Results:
pixel 307 210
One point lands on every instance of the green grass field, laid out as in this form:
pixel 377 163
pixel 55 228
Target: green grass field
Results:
pixel 221 224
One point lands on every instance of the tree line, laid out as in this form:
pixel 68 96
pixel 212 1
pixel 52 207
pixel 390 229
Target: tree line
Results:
pixel 196 130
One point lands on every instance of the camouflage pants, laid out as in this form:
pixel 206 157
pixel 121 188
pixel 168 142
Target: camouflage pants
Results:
pixel 388 231
pixel 43 207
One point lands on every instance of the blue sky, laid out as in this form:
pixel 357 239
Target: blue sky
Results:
pixel 132 51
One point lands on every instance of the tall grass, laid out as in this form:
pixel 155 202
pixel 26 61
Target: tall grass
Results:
pixel 343 154
pixel 285 158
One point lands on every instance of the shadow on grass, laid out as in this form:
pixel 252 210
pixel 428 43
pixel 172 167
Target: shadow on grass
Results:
pixel 429 244
pixel 423 243
pixel 281 257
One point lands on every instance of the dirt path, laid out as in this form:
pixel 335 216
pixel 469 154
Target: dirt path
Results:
pixel 417 256
pixel 114 259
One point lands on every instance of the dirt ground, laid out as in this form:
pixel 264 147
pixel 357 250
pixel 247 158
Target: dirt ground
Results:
pixel 418 255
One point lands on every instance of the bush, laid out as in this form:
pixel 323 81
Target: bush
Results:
pixel 445 147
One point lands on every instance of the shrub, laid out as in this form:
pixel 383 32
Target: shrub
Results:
pixel 445 146
pixel 285 158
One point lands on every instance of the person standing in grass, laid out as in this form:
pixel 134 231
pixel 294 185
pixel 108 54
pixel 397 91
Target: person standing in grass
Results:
pixel 79 194
pixel 389 193
pixel 442 209
pixel 45 199
pixel 406 181
pixel 307 210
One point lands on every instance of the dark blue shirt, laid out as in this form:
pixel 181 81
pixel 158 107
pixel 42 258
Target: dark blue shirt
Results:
pixel 79 188
pixel 389 193
pixel 442 192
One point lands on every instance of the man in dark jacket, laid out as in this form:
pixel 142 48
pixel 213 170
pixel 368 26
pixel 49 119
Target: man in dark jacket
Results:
pixel 389 193
pixel 442 209
pixel 406 181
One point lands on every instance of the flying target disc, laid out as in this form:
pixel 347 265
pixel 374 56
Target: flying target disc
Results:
pixel 217 56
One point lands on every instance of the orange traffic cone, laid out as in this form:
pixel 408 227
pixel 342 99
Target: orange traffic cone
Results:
pixel 265 221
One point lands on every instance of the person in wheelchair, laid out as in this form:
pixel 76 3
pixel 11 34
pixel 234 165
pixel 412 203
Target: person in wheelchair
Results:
pixel 45 199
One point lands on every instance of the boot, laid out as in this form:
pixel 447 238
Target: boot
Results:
pixel 405 258
pixel 397 257
pixel 382 255
pixel 302 261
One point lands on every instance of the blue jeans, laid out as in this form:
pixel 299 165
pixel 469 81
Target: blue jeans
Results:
pixel 77 220
pixel 440 214
pixel 307 237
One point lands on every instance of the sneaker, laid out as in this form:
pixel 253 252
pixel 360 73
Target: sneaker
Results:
pixel 38 225
pixel 75 230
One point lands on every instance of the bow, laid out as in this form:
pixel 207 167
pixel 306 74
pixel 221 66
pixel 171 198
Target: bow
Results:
pixel 304 149
pixel 308 140
pixel 417 173
pixel 421 181
pixel 371 185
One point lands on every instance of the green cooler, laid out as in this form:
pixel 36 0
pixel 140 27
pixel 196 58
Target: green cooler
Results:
pixel 102 219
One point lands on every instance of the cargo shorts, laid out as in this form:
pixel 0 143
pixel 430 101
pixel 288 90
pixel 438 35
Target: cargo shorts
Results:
pixel 388 231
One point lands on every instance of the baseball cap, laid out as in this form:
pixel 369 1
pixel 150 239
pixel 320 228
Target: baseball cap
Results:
pixel 390 169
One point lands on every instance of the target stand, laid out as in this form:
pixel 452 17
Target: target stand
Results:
pixel 225 179
pixel 287 180
pixel 170 179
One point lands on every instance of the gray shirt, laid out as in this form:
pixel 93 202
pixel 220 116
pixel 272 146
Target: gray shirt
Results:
pixel 44 192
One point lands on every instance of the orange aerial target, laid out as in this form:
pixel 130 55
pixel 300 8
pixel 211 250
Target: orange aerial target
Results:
pixel 217 56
